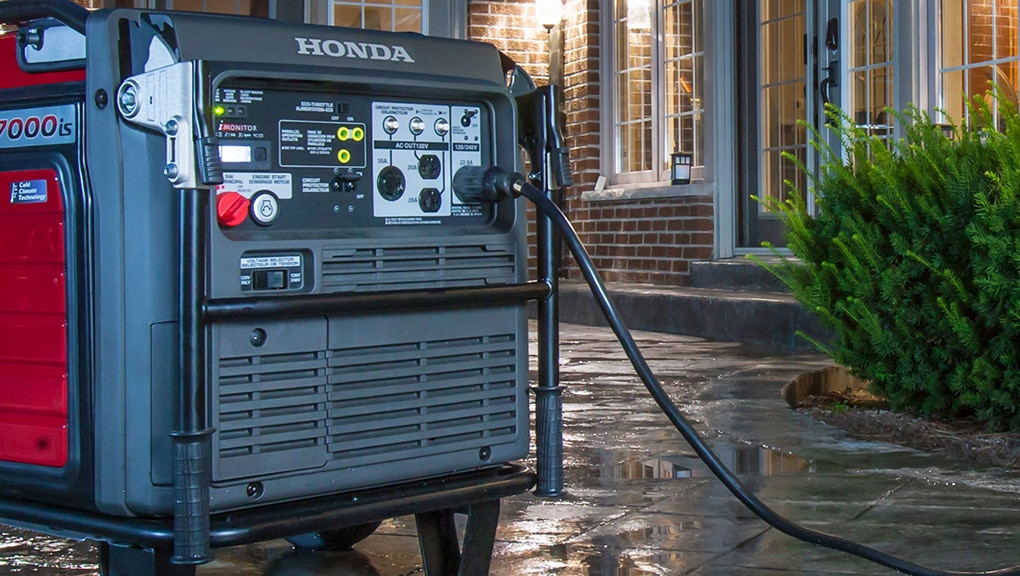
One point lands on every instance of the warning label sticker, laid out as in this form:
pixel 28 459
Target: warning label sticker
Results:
pixel 248 183
pixel 28 192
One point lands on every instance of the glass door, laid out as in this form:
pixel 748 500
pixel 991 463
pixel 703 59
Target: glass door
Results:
pixel 788 68
pixel 871 66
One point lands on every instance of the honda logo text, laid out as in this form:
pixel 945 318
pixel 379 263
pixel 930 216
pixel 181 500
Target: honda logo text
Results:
pixel 357 50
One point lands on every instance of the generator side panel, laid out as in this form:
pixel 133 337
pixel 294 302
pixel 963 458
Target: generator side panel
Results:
pixel 135 240
pixel 45 388
pixel 33 313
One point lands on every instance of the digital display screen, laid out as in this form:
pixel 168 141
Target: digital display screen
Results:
pixel 235 154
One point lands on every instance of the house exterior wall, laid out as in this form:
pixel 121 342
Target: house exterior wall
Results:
pixel 649 241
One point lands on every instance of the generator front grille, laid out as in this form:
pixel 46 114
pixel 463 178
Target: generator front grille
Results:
pixel 272 412
pixel 358 406
pixel 402 401
pixel 407 268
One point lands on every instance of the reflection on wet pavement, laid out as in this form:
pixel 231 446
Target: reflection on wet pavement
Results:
pixel 639 503
pixel 24 552
pixel 648 469
pixel 754 461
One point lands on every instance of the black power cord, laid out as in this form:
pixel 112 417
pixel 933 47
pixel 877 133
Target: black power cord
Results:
pixel 491 183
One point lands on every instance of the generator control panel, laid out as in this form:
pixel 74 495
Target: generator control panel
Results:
pixel 296 159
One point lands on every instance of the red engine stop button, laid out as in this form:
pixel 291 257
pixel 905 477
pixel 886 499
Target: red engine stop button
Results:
pixel 231 208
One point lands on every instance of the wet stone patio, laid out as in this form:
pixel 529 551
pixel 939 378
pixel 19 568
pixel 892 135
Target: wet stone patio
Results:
pixel 640 504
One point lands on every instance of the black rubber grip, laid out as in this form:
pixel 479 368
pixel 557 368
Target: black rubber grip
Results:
pixel 192 466
pixel 549 440
pixel 210 168
pixel 561 167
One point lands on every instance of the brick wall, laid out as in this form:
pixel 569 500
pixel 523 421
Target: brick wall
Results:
pixel 643 241
pixel 582 92
pixel 512 26
pixel 646 241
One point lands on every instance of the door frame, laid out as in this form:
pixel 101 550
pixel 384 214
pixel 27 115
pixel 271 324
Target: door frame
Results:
pixel 736 231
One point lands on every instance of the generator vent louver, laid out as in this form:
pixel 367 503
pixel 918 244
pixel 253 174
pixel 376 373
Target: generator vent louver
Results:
pixel 272 412
pixel 397 402
pixel 360 406
pixel 407 268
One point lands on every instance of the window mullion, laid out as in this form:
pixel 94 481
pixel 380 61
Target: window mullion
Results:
pixel 658 90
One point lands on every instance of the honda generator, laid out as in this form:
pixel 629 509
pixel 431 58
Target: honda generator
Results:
pixel 235 273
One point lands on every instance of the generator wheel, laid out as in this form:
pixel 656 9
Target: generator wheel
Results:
pixel 334 540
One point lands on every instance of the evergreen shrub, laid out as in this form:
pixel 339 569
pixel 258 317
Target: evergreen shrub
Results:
pixel 913 259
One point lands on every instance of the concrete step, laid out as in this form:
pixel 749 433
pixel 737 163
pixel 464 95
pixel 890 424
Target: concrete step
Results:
pixel 738 273
pixel 768 319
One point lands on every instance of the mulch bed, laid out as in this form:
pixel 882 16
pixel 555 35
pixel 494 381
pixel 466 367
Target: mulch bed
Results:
pixel 864 415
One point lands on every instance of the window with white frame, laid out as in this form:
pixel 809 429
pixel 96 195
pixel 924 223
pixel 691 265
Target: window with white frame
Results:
pixel 782 134
pixel 657 63
pixel 871 65
pixel 217 6
pixel 979 52
pixel 238 7
pixel 390 15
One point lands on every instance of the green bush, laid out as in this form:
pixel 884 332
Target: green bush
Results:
pixel 914 261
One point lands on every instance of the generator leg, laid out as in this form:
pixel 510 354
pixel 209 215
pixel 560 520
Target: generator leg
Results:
pixel 441 552
pixel 124 560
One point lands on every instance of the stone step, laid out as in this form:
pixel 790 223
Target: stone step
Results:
pixel 768 319
pixel 738 273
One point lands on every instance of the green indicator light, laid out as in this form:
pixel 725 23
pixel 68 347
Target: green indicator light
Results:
pixel 344 156
pixel 343 133
pixel 358 134
pixel 219 110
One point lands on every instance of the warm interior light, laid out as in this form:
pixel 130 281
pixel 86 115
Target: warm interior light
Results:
pixel 549 12
pixel 639 14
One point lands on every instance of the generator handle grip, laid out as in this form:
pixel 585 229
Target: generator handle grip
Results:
pixel 19 11
pixel 192 438
pixel 540 134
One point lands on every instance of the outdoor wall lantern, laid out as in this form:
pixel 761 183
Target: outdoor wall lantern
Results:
pixel 680 168
pixel 948 131
pixel 549 12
